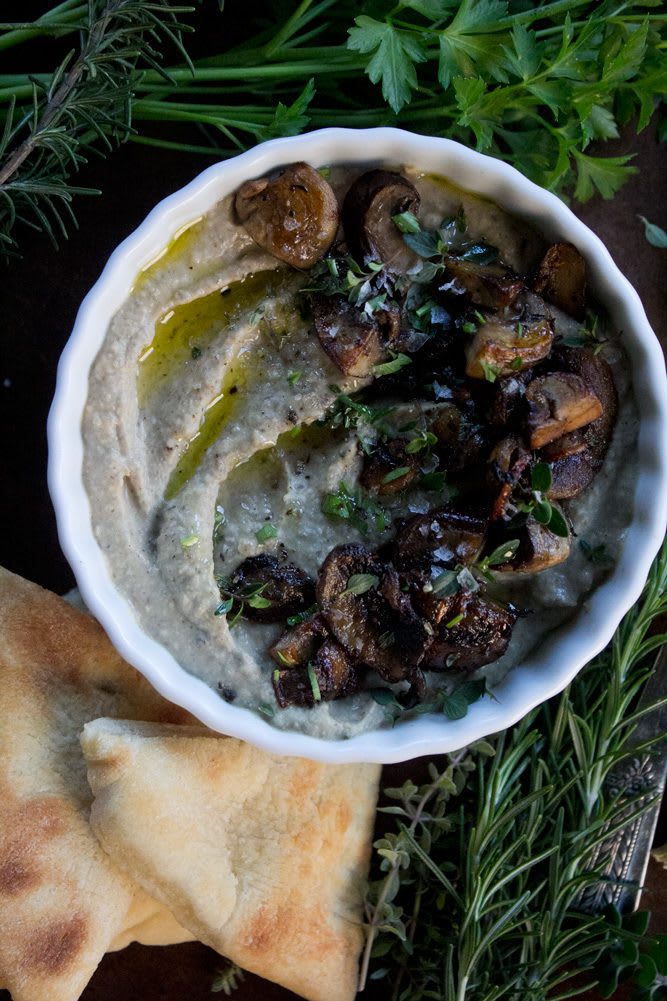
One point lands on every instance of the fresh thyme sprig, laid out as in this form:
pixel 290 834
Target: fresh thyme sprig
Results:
pixel 480 880
pixel 85 104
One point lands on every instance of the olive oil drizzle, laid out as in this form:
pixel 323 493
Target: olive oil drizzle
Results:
pixel 180 244
pixel 217 415
pixel 183 333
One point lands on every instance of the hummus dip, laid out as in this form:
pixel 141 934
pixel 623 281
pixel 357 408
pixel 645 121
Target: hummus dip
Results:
pixel 200 430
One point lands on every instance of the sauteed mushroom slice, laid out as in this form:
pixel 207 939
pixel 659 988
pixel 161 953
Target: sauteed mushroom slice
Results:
pixel 597 375
pixel 508 399
pixel 507 347
pixel 558 403
pixel 461 435
pixel 571 474
pixel 470 630
pixel 561 279
pixel 368 210
pixel 491 286
pixel 354 341
pixel 298 645
pixel 292 213
pixel 364 623
pixel 270 590
pixel 442 536
pixel 389 469
pixel 539 549
pixel 507 464
pixel 330 675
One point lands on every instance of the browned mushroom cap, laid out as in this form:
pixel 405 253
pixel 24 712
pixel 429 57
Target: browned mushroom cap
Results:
pixel 329 676
pixel 286 588
pixel 298 645
pixel 539 549
pixel 461 438
pixel 389 469
pixel 470 630
pixel 561 279
pixel 368 208
pixel 354 341
pixel 441 537
pixel 557 404
pixel 507 463
pixel 492 286
pixel 293 214
pixel 364 624
pixel 508 398
pixel 597 375
pixel 507 347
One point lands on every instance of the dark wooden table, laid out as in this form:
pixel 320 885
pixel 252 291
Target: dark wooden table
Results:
pixel 41 294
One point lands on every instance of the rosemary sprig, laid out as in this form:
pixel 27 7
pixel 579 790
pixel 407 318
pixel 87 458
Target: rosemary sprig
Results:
pixel 85 104
pixel 479 880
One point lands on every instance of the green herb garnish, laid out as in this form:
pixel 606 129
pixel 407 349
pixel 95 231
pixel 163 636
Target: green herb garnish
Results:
pixel 314 684
pixel 293 377
pixel 355 506
pixel 359 583
pixel 189 540
pixel 491 372
pixel 397 362
pixel 406 222
pixel 266 532
pixel 396 474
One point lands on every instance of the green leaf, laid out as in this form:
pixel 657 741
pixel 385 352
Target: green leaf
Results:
pixel 542 512
pixel 502 553
pixel 466 46
pixel 360 583
pixel 604 174
pixel 293 119
pixel 629 51
pixel 557 524
pixel 266 532
pixel 599 124
pixel 445 584
pixel 398 362
pixel 491 373
pixel 540 477
pixel 455 705
pixel 526 54
pixel 396 474
pixel 656 236
pixel 424 244
pixel 434 10
pixel 257 601
pixel 407 222
pixel 384 697
pixel 224 607
pixel 314 684
pixel 395 53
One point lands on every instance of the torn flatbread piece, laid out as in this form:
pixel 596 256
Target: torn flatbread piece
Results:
pixel 261 857
pixel 63 903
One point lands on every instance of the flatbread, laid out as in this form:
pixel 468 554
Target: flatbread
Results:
pixel 261 857
pixel 63 903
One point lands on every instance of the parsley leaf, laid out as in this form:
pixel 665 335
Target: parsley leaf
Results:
pixel 395 53
pixel 605 174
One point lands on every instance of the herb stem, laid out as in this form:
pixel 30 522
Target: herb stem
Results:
pixel 60 20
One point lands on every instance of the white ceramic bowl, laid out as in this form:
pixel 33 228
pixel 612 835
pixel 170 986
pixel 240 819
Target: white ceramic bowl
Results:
pixel 563 654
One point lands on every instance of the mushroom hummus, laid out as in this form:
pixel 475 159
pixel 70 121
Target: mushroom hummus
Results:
pixel 357 440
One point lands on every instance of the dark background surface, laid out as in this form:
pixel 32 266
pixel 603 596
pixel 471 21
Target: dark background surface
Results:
pixel 40 297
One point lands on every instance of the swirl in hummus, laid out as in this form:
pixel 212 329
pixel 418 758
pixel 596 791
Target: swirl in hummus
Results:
pixel 305 516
